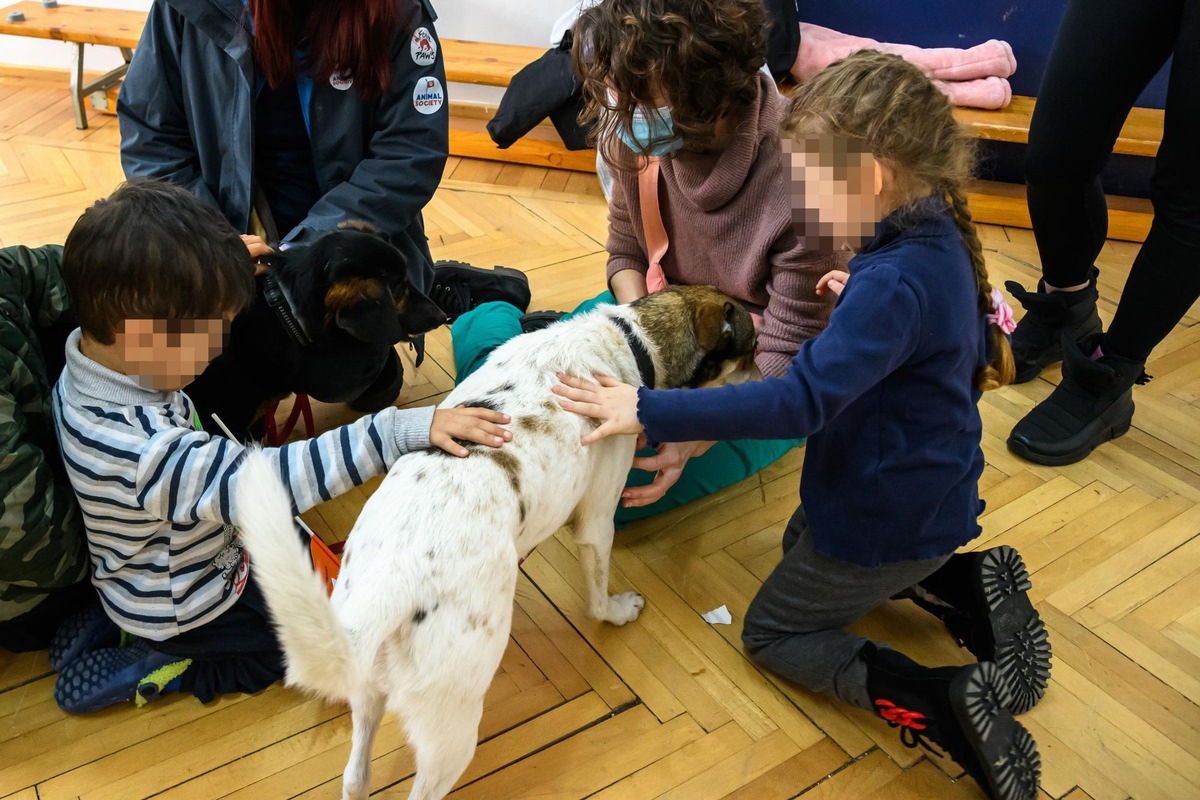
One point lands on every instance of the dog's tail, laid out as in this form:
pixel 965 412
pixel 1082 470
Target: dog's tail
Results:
pixel 316 649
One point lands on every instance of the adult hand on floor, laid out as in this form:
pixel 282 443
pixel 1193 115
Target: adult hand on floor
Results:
pixel 668 464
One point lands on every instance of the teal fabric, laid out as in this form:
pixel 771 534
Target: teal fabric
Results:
pixel 723 465
pixel 480 331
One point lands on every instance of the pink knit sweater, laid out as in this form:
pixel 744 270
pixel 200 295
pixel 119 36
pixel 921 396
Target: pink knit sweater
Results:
pixel 729 219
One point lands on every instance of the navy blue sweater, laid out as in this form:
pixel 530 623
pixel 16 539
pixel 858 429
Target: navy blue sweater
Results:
pixel 886 395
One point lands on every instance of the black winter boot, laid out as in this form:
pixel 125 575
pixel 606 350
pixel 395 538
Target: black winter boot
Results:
pixel 536 320
pixel 1037 341
pixel 982 599
pixel 961 711
pixel 1092 405
pixel 459 287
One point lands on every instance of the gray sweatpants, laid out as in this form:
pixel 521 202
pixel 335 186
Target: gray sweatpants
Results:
pixel 795 625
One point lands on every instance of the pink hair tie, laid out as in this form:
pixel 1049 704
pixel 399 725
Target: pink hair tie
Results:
pixel 1002 313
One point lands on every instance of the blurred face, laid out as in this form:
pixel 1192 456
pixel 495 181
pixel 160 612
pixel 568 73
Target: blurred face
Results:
pixel 167 354
pixel 836 185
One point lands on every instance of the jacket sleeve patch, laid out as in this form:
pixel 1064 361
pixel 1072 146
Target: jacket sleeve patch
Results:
pixel 424 47
pixel 428 95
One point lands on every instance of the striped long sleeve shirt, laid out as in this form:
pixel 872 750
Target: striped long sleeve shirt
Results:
pixel 156 493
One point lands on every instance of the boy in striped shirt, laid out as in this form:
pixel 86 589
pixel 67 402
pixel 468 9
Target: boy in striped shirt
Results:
pixel 156 275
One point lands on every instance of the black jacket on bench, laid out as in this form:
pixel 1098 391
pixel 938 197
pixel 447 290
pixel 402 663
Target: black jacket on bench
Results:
pixel 546 88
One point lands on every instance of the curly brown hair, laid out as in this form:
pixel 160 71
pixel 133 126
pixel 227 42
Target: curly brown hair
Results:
pixel 699 57
pixel 901 117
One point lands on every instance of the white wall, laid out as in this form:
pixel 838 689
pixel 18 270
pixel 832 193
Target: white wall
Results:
pixel 525 22
pixel 508 21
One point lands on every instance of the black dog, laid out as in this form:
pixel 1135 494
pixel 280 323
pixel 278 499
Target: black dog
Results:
pixel 324 323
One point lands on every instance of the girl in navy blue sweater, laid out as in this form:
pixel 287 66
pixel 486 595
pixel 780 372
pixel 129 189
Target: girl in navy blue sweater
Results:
pixel 887 398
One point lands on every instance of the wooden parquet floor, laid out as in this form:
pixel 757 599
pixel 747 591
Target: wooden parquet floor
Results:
pixel 670 707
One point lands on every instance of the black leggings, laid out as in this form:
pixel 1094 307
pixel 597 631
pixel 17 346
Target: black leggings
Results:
pixel 1105 54
pixel 236 652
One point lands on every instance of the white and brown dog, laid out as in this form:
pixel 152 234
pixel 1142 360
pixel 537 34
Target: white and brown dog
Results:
pixel 422 610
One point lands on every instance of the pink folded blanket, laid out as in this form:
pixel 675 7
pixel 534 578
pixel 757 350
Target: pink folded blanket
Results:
pixel 989 93
pixel 973 77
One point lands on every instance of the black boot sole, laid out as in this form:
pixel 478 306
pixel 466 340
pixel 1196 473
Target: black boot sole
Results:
pixel 536 320
pixel 1106 434
pixel 1022 645
pixel 1009 764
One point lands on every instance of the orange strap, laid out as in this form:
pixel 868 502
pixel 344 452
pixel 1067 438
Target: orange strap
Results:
pixel 657 241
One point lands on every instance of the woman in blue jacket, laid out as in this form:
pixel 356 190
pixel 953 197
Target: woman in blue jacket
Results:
pixel 296 116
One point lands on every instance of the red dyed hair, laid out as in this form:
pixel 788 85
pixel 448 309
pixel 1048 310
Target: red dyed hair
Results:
pixel 346 37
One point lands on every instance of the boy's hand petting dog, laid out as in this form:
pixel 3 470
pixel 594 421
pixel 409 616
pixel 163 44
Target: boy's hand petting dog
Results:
pixel 257 248
pixel 611 402
pixel 478 425
pixel 833 281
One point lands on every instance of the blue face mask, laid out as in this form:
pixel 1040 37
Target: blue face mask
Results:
pixel 652 132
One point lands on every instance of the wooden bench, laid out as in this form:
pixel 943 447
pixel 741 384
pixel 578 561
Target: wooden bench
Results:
pixel 490 64
pixel 78 26
pixel 1129 218
pixel 1140 136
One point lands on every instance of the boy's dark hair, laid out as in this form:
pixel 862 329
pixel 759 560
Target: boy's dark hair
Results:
pixel 153 250
pixel 701 56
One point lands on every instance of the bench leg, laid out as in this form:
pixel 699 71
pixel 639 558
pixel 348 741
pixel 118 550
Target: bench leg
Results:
pixel 81 90
pixel 77 94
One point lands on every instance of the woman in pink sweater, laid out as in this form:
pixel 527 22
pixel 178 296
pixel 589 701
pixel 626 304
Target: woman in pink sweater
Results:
pixel 684 112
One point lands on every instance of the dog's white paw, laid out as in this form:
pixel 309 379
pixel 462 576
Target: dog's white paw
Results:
pixel 625 607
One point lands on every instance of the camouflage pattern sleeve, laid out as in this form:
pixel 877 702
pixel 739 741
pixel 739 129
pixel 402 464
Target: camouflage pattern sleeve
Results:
pixel 42 545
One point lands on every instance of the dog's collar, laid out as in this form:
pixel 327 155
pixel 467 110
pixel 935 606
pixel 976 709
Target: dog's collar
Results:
pixel 277 298
pixel 641 355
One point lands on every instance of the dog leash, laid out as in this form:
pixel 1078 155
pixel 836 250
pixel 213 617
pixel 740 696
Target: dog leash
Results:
pixel 641 355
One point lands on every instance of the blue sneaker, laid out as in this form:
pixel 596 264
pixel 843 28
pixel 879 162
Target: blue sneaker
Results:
pixel 80 633
pixel 113 675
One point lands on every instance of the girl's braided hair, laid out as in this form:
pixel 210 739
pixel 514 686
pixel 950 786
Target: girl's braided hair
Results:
pixel 901 117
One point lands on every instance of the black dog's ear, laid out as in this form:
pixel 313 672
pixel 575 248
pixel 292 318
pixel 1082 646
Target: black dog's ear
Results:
pixel 363 227
pixel 365 309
